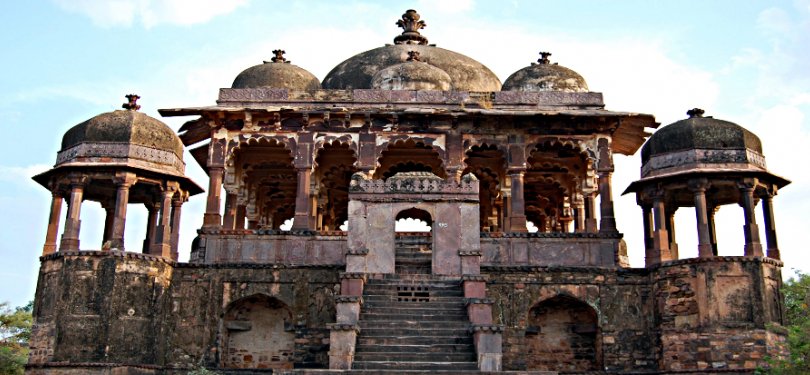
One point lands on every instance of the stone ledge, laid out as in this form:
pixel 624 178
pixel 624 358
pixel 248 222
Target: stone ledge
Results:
pixel 473 278
pixel 550 235
pixel 540 269
pixel 259 266
pixel 353 275
pixel 470 253
pixel 343 327
pixel 349 299
pixel 719 259
pixel 107 253
pixel 489 328
pixel 362 251
pixel 478 301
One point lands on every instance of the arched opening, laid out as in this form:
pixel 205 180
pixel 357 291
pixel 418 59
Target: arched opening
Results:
pixel 413 220
pixel 551 184
pixel 414 242
pixel 257 332
pixel 264 170
pixel 409 156
pixel 563 335
pixel 335 167
pixel 487 163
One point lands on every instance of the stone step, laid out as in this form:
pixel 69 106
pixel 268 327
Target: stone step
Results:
pixel 388 292
pixel 365 341
pixel 362 356
pixel 423 277
pixel 402 333
pixel 412 324
pixel 433 316
pixel 393 284
pixel 397 365
pixel 385 347
pixel 411 307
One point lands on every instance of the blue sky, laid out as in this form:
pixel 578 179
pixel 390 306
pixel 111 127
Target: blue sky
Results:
pixel 68 60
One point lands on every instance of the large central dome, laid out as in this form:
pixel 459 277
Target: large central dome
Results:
pixel 465 73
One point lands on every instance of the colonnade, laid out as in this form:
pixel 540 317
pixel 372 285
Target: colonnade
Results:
pixel 659 206
pixel 163 223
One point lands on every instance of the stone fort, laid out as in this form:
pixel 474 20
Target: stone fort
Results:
pixel 406 130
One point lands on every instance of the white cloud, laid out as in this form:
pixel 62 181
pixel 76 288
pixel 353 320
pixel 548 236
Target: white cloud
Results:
pixel 150 13
pixel 24 173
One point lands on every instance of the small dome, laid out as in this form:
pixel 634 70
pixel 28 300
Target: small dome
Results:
pixel 358 71
pixel 277 73
pixel 545 76
pixel 123 137
pixel 412 75
pixel 701 141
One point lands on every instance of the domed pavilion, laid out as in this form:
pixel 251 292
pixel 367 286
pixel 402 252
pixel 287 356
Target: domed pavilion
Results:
pixel 302 263
pixel 119 158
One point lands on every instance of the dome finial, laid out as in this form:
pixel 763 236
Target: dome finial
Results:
pixel 413 56
pixel 544 58
pixel 695 112
pixel 278 56
pixel 132 102
pixel 411 23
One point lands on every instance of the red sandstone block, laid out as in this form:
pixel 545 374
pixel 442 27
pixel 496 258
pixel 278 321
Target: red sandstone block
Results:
pixel 351 287
pixel 475 289
pixel 479 313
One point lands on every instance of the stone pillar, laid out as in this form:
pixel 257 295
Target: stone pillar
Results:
pixel 650 253
pixel 70 235
pixel 770 225
pixel 123 182
pixel 53 224
pixel 241 213
pixel 212 216
pixel 590 213
pixel 177 205
pixel 673 241
pixel 162 245
pixel 109 218
pixel 230 211
pixel 303 203
pixel 517 213
pixel 712 230
pixel 579 215
pixel 660 235
pixel 698 187
pixel 607 222
pixel 151 222
pixel 753 248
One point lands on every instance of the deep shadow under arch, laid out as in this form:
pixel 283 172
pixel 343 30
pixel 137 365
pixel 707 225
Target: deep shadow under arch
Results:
pixel 257 332
pixel 563 335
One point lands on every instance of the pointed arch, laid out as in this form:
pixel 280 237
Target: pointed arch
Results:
pixel 257 332
pixel 563 334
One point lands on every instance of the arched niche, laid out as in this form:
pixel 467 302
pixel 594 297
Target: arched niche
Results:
pixel 563 334
pixel 257 332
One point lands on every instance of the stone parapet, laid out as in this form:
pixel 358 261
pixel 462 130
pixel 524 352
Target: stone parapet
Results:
pixel 599 251
pixel 270 248
pixel 230 96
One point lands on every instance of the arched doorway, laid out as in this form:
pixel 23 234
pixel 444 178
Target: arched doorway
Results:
pixel 563 335
pixel 414 242
pixel 257 333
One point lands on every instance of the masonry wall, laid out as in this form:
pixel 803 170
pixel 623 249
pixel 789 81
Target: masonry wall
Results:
pixel 721 313
pixel 620 299
pixel 127 313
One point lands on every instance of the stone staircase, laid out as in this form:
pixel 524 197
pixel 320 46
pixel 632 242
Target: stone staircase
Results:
pixel 412 320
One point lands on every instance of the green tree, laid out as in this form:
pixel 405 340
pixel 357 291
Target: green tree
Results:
pixel 797 323
pixel 15 331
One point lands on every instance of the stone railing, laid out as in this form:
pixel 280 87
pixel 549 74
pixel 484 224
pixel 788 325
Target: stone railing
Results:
pixel 414 183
